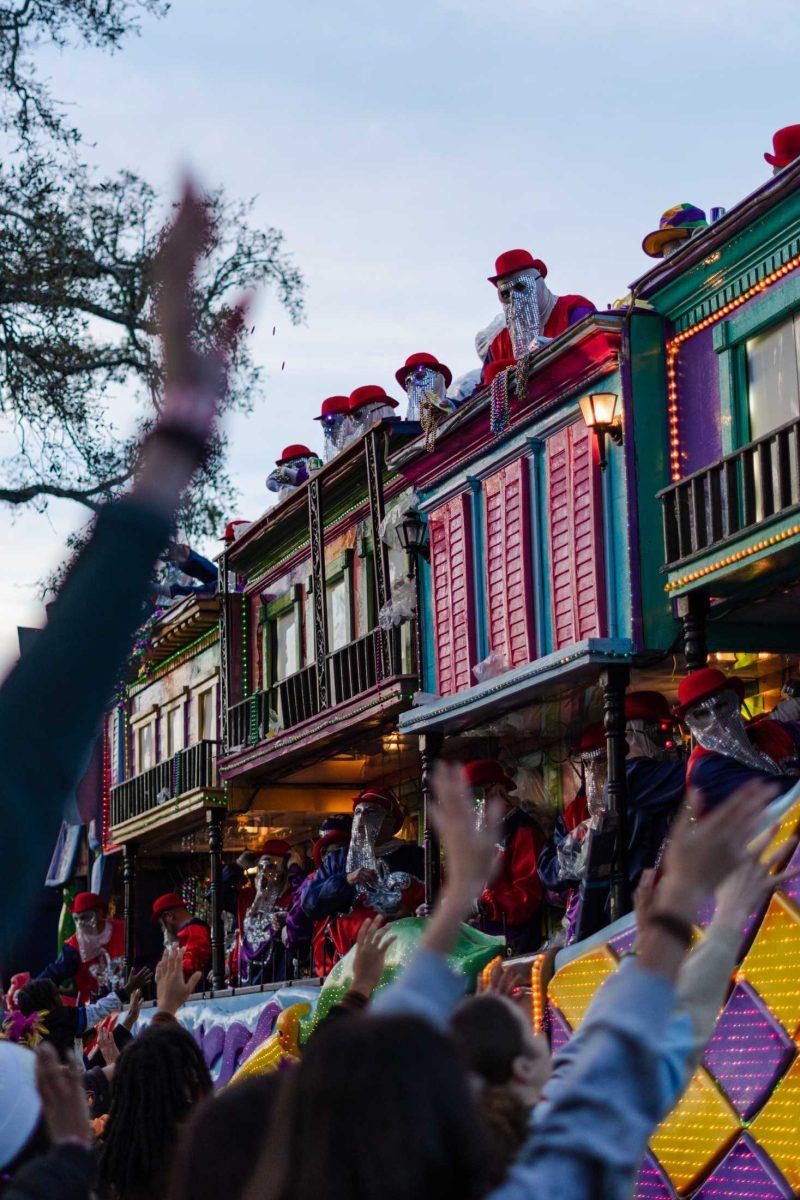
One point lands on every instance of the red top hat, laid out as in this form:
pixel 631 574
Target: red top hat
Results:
pixel 333 406
pixel 335 837
pixel 386 799
pixel 647 706
pixel 276 848
pixel 593 737
pixel 702 684
pixel 785 145
pixel 87 901
pixel 493 369
pixel 231 533
pixel 371 393
pixel 297 451
pixel 516 260
pixel 483 772
pixel 166 903
pixel 423 360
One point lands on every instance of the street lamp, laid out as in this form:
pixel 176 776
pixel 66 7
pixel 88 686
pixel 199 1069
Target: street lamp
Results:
pixel 412 533
pixel 599 411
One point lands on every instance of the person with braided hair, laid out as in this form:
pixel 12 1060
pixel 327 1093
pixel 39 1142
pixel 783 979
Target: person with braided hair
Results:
pixel 160 1077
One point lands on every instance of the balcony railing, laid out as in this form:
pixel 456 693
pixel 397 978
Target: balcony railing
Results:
pixel 354 669
pixel 734 495
pixel 186 771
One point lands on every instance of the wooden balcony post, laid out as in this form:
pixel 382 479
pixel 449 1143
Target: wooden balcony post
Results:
pixel 215 835
pixel 692 610
pixel 430 745
pixel 615 681
pixel 129 896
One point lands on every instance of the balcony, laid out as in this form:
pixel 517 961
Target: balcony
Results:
pixel 190 772
pixel 734 510
pixel 353 673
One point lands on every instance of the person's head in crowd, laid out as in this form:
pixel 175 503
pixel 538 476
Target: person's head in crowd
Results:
pixel 41 999
pixel 172 914
pixel 161 1075
pixel 649 725
pixel 219 1147
pixel 22 1131
pixel 378 810
pixel 489 781
pixel 507 1064
pixel 377 1109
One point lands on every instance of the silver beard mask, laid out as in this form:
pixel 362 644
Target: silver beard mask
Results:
pixel 527 304
pixel 368 415
pixel 718 725
pixel 259 923
pixel 426 386
pixel 595 771
pixel 337 430
pixel 91 939
pixel 385 896
pixel 642 741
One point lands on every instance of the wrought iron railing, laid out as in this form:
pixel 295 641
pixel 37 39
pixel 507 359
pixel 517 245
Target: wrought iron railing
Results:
pixel 733 496
pixel 353 670
pixel 186 771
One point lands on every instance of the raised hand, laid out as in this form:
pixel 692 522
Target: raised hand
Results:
pixel 471 846
pixel 63 1095
pixel 172 991
pixel 751 883
pixel 134 1009
pixel 106 1045
pixel 373 943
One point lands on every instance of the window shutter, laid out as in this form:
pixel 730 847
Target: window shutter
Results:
pixel 451 572
pixel 576 537
pixel 509 608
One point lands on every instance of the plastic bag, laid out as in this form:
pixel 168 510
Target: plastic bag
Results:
pixel 387 530
pixel 573 852
pixel 490 667
pixel 402 606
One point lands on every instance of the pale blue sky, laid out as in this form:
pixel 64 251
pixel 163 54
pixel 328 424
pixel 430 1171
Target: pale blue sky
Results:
pixel 402 148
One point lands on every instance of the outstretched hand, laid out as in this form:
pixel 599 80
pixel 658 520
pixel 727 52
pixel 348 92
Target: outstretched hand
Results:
pixel 373 943
pixel 63 1096
pixel 471 845
pixel 172 990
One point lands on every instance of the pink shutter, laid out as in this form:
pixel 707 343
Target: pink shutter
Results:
pixel 451 571
pixel 508 568
pixel 576 537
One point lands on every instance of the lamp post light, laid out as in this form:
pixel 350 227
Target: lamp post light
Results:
pixel 412 533
pixel 599 411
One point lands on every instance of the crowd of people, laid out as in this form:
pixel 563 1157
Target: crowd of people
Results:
pixel 420 1091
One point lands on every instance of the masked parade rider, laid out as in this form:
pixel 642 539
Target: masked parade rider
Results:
pixel 367 406
pixel 656 780
pixel 180 928
pixel 292 468
pixel 266 945
pixel 511 904
pixel 337 426
pixel 425 382
pixel 533 315
pixel 375 874
pixel 729 751
pixel 93 958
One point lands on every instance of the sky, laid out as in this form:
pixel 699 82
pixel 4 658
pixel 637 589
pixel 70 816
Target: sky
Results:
pixel 401 149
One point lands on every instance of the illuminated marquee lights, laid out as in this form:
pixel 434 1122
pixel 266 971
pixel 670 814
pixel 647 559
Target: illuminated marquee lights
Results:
pixel 729 559
pixel 673 348
pixel 537 995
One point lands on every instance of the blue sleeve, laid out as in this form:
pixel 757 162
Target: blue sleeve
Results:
pixel 328 891
pixel 718 776
pixel 547 859
pixel 64 966
pixel 426 988
pixel 199 568
pixel 591 1139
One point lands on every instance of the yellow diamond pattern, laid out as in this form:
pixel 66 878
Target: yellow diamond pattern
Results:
pixel 772 965
pixel 787 829
pixel 696 1132
pixel 777 1126
pixel 575 984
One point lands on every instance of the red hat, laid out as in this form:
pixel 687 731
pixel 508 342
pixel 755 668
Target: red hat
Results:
pixel 423 360
pixel 371 393
pixel 333 406
pixel 785 145
pixel 516 260
pixel 593 737
pixel 336 837
pixel 291 452
pixel 647 706
pixel 483 772
pixel 493 369
pixel 276 848
pixel 166 903
pixel 17 982
pixel 386 799
pixel 232 530
pixel 87 901
pixel 702 684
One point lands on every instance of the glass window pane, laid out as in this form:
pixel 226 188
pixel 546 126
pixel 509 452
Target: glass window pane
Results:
pixel 286 636
pixel 174 731
pixel 772 376
pixel 338 622
pixel 206 716
pixel 146 747
pixel 309 629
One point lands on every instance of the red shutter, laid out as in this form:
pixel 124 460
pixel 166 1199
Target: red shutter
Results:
pixel 509 606
pixel 451 571
pixel 576 537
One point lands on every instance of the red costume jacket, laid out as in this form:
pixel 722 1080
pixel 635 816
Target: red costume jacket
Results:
pixel 194 939
pixel 515 896
pixel 68 965
pixel 567 311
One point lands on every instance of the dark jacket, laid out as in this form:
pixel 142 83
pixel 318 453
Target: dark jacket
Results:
pixel 63 1173
pixel 328 892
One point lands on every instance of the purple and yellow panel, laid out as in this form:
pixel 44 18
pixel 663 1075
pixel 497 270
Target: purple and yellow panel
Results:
pixel 573 987
pixel 772 964
pixel 776 1129
pixel 699 1129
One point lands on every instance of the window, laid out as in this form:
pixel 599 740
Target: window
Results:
pixel 174 730
pixel 338 614
pixel 206 716
pixel 309 626
pixel 773 377
pixel 145 747
pixel 287 643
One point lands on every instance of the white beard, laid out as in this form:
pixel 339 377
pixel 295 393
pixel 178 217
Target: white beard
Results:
pixel 90 943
